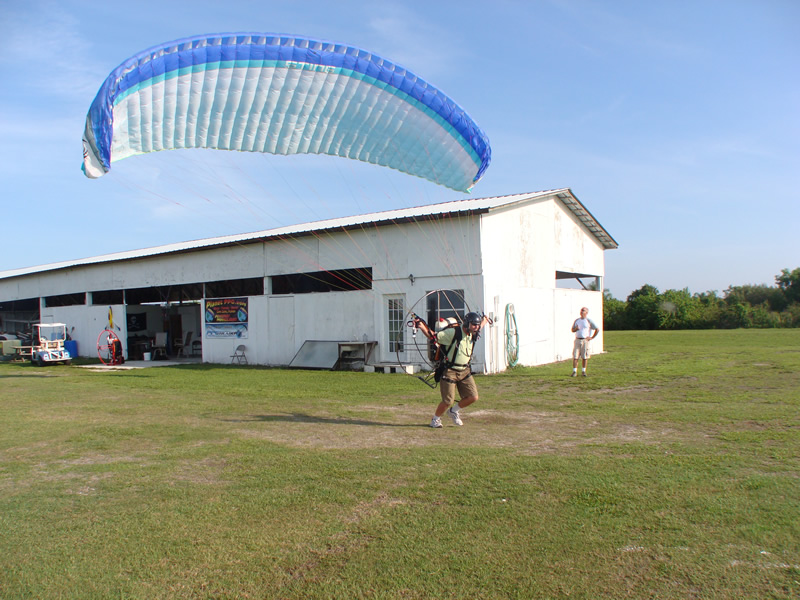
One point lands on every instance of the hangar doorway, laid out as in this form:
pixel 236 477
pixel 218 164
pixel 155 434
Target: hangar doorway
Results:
pixel 17 316
pixel 164 321
pixel 175 328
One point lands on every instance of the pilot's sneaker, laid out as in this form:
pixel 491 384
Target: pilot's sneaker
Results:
pixel 455 416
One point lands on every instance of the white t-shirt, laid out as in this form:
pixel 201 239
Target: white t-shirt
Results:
pixel 585 328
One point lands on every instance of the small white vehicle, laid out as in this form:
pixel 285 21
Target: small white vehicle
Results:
pixel 47 343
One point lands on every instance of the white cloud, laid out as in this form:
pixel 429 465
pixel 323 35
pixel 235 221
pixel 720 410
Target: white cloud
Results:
pixel 413 42
pixel 642 28
pixel 48 43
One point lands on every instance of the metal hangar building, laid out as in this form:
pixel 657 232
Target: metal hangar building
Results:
pixel 342 287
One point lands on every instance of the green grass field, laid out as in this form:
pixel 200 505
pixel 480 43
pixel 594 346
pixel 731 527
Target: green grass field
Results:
pixel 673 471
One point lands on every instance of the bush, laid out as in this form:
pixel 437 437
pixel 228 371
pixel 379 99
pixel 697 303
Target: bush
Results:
pixel 642 311
pixel 791 316
pixel 613 312
pixel 756 295
pixel 743 306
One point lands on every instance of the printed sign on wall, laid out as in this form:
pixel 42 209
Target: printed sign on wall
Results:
pixel 226 318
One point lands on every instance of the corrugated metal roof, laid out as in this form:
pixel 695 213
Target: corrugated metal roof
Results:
pixel 472 205
pixel 579 210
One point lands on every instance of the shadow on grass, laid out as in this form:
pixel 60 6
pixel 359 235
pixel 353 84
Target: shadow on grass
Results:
pixel 303 418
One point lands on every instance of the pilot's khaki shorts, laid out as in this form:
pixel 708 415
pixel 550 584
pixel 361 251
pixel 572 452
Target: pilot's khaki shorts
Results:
pixel 462 381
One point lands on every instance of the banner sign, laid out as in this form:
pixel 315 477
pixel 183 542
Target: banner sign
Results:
pixel 226 318
pixel 137 322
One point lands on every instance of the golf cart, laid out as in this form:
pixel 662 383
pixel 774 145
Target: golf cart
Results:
pixel 48 344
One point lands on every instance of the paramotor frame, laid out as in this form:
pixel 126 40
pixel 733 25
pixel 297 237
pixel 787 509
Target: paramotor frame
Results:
pixel 109 348
pixel 457 307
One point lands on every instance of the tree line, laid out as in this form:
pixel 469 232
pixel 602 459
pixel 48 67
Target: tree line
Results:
pixel 758 306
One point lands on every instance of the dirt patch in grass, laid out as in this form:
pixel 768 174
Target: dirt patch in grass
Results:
pixel 86 485
pixel 530 432
pixel 633 390
pixel 207 471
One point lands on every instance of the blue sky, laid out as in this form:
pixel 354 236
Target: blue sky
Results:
pixel 677 123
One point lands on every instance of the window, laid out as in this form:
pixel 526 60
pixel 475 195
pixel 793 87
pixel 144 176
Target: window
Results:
pixel 441 305
pixel 108 297
pixel 396 327
pixel 231 288
pixel 163 294
pixel 577 281
pixel 445 303
pixel 65 300
pixel 341 280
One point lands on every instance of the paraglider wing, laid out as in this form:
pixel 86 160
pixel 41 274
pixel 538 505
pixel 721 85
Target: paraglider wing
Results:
pixel 282 95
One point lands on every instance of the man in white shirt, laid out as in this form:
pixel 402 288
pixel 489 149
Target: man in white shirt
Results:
pixel 585 330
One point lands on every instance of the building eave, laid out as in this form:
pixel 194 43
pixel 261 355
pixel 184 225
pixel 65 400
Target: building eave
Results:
pixel 443 210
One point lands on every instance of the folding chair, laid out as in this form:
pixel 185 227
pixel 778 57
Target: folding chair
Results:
pixel 239 356
pixel 182 347
pixel 160 345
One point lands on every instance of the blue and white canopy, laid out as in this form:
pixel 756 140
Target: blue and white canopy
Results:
pixel 282 94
